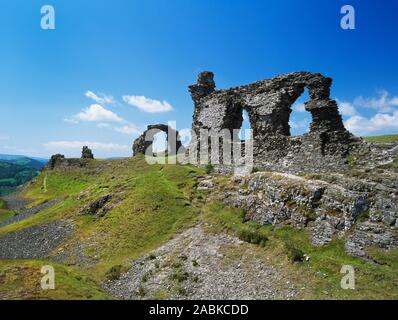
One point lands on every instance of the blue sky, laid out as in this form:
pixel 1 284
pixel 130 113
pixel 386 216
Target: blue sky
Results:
pixel 95 77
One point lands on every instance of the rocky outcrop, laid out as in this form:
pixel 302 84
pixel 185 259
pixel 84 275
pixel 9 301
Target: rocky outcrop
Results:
pixel 143 144
pixel 370 234
pixel 87 153
pixel 269 104
pixel 99 207
pixel 363 211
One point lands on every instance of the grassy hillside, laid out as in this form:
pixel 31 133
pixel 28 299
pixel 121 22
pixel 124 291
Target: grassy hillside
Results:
pixel 21 280
pixel 150 205
pixel 385 138
pixel 5 213
pixel 321 273
pixel 153 203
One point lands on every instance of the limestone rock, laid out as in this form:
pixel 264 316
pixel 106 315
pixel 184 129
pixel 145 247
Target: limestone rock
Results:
pixel 370 234
pixel 339 208
pixel 99 207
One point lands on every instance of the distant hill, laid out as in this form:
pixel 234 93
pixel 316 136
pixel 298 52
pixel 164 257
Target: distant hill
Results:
pixel 17 170
pixel 10 157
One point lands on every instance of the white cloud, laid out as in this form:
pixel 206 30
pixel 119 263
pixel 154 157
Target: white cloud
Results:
pixel 382 103
pixel 378 124
pixel 301 124
pixel 61 145
pixel 385 120
pixel 100 98
pixel 394 101
pixel 127 129
pixel 300 107
pixel 346 108
pixel 147 104
pixel 95 113
pixel 103 125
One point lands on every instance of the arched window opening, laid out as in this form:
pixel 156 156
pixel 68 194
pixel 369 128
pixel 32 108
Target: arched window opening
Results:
pixel 300 119
pixel 243 134
pixel 159 145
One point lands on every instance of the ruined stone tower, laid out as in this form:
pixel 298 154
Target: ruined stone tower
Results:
pixel 269 105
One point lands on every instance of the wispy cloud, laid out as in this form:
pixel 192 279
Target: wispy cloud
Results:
pixel 384 102
pixel 100 98
pixel 300 124
pixel 379 123
pixel 129 129
pixel 385 120
pixel 147 104
pixel 77 145
pixel 95 113
pixel 346 108
pixel 299 107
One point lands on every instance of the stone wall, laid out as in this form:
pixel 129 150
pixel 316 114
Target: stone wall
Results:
pixel 269 105
pixel 143 144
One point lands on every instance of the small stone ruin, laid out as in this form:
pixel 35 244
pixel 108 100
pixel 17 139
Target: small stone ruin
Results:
pixel 143 145
pixel 59 160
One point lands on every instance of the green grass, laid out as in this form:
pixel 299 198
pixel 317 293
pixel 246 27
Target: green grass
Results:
pixel 3 204
pixel 22 280
pixel 5 213
pixel 231 220
pixel 386 138
pixel 321 273
pixel 57 184
pixel 154 210
pixel 152 203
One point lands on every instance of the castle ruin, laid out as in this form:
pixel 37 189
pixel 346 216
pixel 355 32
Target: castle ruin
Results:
pixel 269 105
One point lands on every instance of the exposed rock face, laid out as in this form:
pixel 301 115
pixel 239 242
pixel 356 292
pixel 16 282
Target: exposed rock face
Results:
pixel 370 234
pixel 87 153
pixel 99 207
pixel 143 143
pixel 363 211
pixel 269 104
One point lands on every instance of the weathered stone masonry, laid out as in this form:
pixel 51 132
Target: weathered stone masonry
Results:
pixel 269 105
pixel 143 144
